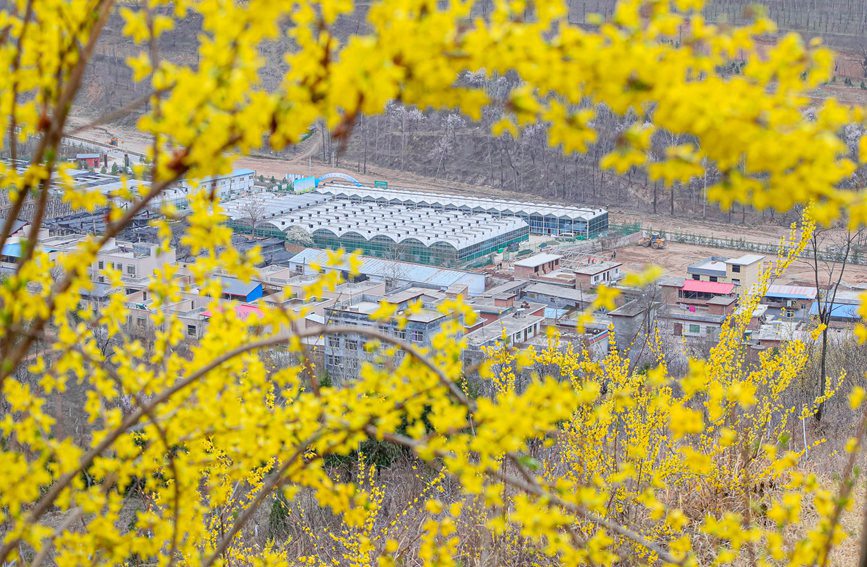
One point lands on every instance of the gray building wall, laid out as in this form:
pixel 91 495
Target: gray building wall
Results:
pixel 342 355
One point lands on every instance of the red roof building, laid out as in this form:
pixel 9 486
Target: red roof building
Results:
pixel 714 288
pixel 699 293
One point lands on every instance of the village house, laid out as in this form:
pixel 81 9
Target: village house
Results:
pixel 191 311
pixel 536 265
pixel 595 338
pixel 238 290
pixel 505 294
pixel 135 261
pixel 742 271
pixel 775 332
pixel 558 296
pixel 695 293
pixel 588 277
pixel 342 355
pixel 693 325
pixel 516 327
pixel 790 301
pixel 88 161
pixel 630 321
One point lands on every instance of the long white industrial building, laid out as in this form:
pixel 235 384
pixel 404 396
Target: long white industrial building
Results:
pixel 423 235
pixel 547 219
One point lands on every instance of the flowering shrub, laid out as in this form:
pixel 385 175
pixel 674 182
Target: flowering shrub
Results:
pixel 590 463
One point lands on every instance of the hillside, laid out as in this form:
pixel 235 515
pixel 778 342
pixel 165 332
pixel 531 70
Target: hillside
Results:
pixel 448 149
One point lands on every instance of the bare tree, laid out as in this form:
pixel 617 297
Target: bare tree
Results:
pixel 447 144
pixel 829 257
pixel 864 59
pixel 254 212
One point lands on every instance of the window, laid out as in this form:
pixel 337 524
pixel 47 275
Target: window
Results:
pixel 130 270
pixel 191 330
pixel 334 342
pixel 713 278
pixel 332 360
pixel 140 322
pixel 736 268
pixel 696 277
pixel 401 333
pixel 736 281
pixel 790 313
pixel 351 344
pixel 416 336
pixel 695 329
pixel 101 264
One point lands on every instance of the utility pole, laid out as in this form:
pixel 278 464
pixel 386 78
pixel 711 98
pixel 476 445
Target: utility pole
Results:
pixel 364 142
pixel 704 194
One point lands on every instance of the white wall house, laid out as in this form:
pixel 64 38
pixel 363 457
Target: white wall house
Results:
pixel 226 187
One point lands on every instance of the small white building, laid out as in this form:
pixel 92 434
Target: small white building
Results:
pixel 135 261
pixel 537 265
pixel 226 187
pixel 590 276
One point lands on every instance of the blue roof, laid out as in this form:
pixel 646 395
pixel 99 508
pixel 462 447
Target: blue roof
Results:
pixel 787 295
pixel 234 286
pixel 552 313
pixel 420 274
pixel 839 310
pixel 791 292
pixel 13 249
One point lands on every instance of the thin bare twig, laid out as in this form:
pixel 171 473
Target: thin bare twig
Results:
pixel 534 488
pixel 846 486
pixel 132 419
pixel 112 116
pixel 276 480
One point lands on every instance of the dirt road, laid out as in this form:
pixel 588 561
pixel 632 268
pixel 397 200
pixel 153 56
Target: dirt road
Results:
pixel 675 258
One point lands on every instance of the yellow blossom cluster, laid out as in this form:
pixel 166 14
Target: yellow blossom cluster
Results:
pixel 580 461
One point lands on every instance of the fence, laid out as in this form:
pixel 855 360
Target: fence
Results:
pixel 623 229
pixel 828 254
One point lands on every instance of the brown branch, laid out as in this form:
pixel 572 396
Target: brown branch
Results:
pixel 43 553
pixel 536 490
pixel 16 65
pixel 112 116
pixel 275 481
pixel 47 500
pixel 10 362
pixel 50 140
pixel 164 439
pixel 847 483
